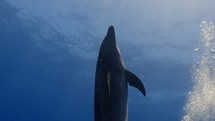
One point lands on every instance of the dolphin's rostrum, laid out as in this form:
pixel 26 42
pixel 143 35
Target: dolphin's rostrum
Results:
pixel 111 82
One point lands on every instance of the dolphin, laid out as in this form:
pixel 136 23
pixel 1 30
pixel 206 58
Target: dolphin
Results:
pixel 111 82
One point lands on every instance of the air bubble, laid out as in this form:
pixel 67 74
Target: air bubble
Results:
pixel 201 100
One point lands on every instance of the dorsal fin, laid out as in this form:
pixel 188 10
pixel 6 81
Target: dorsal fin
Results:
pixel 134 81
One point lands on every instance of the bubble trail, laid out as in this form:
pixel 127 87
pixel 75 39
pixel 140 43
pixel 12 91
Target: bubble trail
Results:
pixel 201 100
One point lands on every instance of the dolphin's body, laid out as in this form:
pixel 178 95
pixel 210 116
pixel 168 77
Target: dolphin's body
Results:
pixel 111 82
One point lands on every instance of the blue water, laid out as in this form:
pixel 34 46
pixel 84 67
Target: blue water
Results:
pixel 48 52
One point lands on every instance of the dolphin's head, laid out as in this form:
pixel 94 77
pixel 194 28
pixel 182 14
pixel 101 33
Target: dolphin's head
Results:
pixel 109 50
pixel 110 38
pixel 111 34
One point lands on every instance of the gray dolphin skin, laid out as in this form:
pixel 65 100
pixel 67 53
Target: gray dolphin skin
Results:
pixel 111 82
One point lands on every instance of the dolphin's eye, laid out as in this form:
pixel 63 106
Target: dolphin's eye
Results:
pixel 100 60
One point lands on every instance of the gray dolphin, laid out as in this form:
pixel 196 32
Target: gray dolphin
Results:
pixel 111 82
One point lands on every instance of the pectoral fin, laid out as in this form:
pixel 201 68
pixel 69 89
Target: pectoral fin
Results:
pixel 134 81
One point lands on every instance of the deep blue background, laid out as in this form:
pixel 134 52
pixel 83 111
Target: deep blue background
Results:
pixel 46 75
